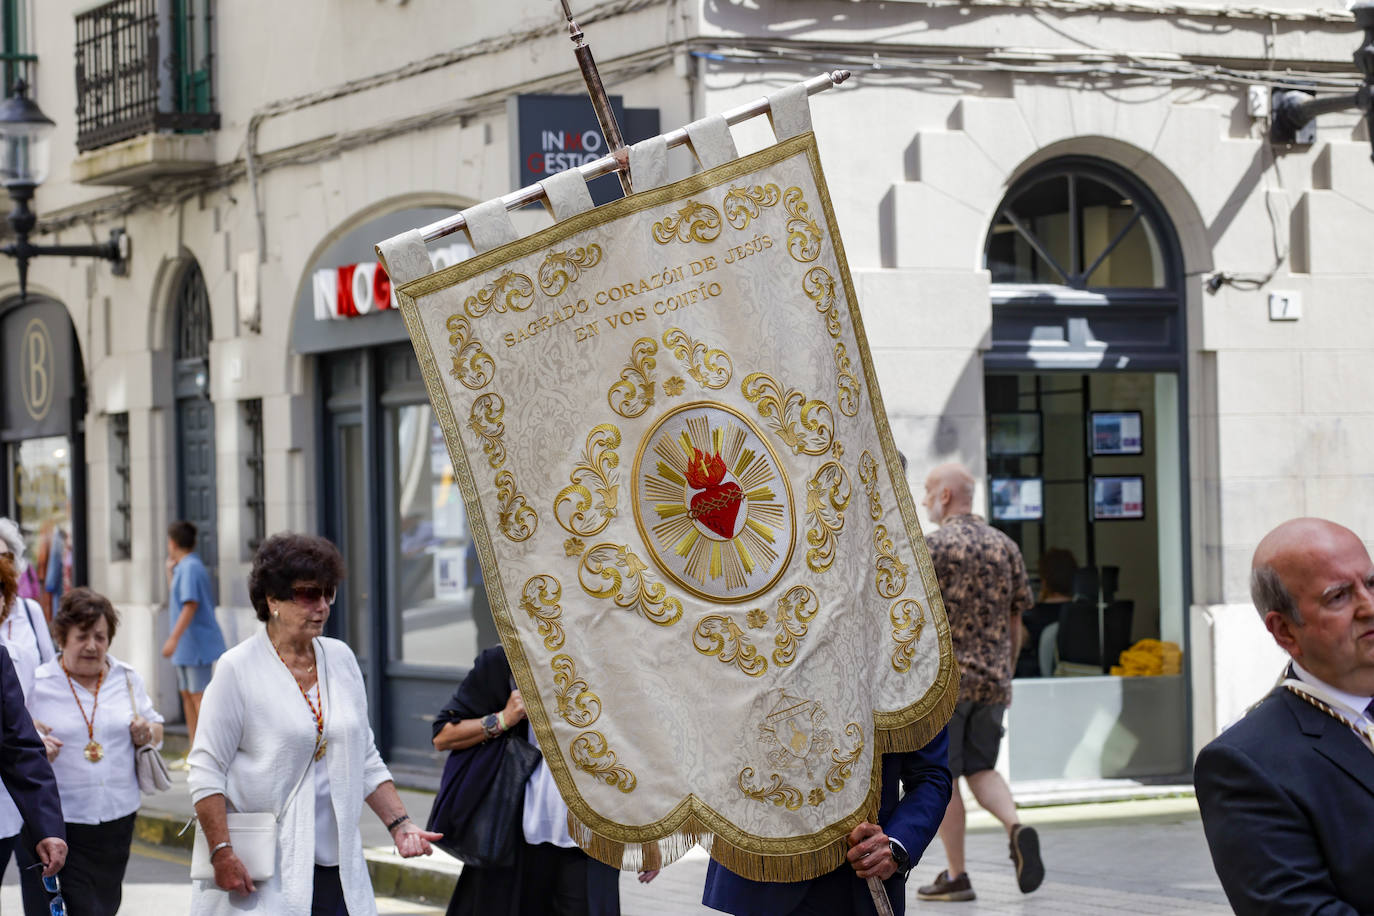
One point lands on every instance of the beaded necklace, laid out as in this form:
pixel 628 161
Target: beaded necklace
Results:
pixel 93 751
pixel 317 712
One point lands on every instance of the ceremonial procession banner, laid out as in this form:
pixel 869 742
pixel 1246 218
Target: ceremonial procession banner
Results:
pixel 702 555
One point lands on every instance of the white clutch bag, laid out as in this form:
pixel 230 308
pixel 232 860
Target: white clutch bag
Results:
pixel 254 837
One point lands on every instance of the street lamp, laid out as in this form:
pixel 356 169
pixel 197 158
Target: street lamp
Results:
pixel 1295 110
pixel 25 134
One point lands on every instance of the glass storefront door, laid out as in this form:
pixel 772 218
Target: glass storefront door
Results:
pixel 1084 474
pixel 413 608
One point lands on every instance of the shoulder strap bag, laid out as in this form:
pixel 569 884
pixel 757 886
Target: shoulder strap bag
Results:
pixel 481 823
pixel 149 767
pixel 253 834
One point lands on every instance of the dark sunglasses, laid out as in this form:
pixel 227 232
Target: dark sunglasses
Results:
pixel 56 906
pixel 310 594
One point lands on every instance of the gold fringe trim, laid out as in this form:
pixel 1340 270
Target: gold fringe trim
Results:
pixel 916 735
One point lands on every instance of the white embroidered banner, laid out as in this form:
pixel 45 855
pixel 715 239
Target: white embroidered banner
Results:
pixel 702 556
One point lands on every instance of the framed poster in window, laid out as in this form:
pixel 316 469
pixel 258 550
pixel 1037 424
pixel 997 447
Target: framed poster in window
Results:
pixel 1017 499
pixel 1121 497
pixel 1014 433
pixel 1117 432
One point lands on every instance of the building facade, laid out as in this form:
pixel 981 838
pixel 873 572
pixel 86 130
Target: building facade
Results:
pixel 1085 271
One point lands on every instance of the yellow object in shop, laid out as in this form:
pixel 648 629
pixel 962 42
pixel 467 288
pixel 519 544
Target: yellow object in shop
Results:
pixel 1150 658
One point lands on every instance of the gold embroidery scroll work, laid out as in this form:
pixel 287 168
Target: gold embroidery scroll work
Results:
pixel 700 551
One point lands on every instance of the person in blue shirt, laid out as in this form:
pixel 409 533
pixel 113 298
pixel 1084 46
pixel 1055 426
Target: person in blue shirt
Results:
pixel 196 641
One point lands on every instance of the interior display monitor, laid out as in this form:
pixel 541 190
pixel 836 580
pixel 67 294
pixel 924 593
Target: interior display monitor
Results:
pixel 1118 497
pixel 1117 433
pixel 1015 433
pixel 1017 499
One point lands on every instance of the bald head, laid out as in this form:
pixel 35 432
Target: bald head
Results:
pixel 1283 554
pixel 949 491
pixel 1313 582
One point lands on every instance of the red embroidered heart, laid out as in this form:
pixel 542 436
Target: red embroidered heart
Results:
pixel 717 507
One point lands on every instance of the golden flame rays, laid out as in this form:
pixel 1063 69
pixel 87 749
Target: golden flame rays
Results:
pixel 677 532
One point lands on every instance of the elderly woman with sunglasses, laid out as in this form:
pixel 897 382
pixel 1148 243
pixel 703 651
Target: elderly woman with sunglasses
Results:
pixel 284 729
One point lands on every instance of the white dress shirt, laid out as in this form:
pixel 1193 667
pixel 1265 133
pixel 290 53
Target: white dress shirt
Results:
pixel 1356 707
pixel 93 793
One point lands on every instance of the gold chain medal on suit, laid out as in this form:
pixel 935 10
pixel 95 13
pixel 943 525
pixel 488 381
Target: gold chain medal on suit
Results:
pixel 321 742
pixel 93 750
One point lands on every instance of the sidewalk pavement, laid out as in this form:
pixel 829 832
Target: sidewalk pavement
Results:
pixel 1135 856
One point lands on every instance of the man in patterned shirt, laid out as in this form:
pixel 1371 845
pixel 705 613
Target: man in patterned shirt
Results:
pixel 983 580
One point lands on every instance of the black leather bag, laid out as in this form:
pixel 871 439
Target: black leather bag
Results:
pixel 481 800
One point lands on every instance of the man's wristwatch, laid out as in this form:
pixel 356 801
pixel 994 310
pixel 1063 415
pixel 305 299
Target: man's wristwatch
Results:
pixel 899 856
pixel 491 726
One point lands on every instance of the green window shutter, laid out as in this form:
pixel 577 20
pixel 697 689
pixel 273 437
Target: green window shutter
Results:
pixel 191 34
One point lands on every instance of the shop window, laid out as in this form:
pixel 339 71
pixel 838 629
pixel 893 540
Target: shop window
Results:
pixel 256 500
pixel 121 488
pixel 1078 226
pixel 441 604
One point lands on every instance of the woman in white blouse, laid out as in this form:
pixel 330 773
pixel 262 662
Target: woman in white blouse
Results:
pixel 99 712
pixel 287 708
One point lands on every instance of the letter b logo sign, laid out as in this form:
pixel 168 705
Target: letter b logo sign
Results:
pixel 36 369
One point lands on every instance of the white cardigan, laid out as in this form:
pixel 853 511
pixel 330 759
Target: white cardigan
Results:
pixel 255 738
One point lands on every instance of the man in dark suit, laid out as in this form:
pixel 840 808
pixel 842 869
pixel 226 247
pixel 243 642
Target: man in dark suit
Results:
pixel 26 773
pixel 915 792
pixel 1287 793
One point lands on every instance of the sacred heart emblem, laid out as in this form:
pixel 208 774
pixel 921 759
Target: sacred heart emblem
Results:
pixel 716 503
pixel 712 503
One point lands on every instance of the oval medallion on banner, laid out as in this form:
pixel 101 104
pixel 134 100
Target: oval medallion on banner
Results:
pixel 713 503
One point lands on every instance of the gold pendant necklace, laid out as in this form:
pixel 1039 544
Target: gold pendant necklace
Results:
pixel 93 751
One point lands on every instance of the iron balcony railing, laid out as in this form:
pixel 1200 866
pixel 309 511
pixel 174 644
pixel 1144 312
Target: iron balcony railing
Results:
pixel 138 71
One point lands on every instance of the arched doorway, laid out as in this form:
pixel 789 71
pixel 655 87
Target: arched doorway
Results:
pixel 42 440
pixel 1084 387
pixel 195 413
